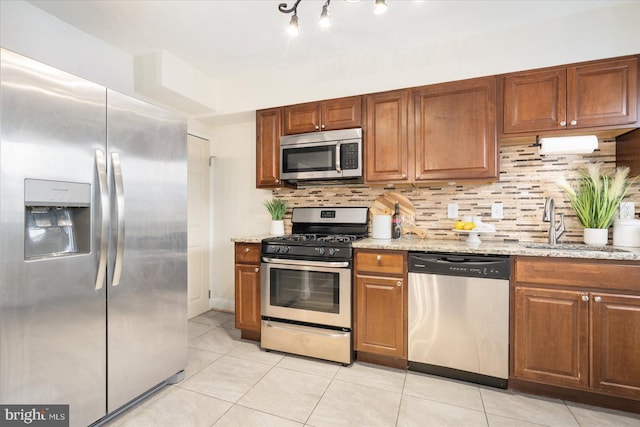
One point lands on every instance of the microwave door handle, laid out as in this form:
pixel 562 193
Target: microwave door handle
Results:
pixel 338 168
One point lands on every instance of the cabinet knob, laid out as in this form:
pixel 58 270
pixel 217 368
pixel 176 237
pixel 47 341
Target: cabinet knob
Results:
pixel 563 123
pixel 597 299
pixel 322 126
pixel 574 122
pixel 417 176
pixel 398 283
pixel 585 297
pixel 404 176
pixel 277 180
pixel 317 127
pixel 379 257
pixel 246 250
pixel 256 269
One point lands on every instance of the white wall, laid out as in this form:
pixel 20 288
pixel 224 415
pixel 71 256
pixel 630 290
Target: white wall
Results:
pixel 238 204
pixel 603 33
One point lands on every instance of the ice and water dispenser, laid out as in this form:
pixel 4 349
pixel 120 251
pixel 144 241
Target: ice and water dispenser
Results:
pixel 57 218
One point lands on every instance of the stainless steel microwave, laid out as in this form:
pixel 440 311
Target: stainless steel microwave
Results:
pixel 335 154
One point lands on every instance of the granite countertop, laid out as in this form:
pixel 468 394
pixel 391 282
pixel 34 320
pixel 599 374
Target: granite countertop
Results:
pixel 413 243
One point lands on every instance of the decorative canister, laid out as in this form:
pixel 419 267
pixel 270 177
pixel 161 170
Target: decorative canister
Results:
pixel 626 232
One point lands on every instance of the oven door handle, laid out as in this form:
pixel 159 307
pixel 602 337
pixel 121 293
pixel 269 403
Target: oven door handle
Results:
pixel 338 264
pixel 307 330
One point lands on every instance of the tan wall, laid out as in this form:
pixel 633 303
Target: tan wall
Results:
pixel 526 179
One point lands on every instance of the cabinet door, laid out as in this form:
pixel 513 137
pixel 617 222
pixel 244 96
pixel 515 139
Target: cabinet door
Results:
pixel 247 297
pixel 455 131
pixel 342 113
pixel 602 94
pixel 386 148
pixel 551 336
pixel 535 101
pixel 379 318
pixel 302 118
pixel 615 341
pixel 268 133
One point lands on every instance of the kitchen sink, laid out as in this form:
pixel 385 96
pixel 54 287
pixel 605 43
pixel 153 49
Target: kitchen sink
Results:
pixel 572 247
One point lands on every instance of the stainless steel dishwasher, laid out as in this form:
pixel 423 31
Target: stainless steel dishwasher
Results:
pixel 459 316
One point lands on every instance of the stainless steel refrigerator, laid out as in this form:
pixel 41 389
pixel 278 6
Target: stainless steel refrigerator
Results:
pixel 93 226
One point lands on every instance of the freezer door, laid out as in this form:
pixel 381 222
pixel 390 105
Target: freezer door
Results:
pixel 147 267
pixel 52 317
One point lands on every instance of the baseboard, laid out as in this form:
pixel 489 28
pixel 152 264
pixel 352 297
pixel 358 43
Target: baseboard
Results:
pixel 222 304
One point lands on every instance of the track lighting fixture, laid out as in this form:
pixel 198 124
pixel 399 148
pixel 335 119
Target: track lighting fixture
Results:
pixel 324 16
pixel 380 6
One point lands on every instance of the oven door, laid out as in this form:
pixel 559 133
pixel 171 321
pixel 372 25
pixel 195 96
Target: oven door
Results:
pixel 306 291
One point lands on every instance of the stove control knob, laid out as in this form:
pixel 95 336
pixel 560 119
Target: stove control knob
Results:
pixel 321 251
pixel 332 251
pixel 286 249
pixel 276 249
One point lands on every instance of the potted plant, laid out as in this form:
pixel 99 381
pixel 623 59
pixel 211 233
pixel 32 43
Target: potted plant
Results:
pixel 596 200
pixel 277 208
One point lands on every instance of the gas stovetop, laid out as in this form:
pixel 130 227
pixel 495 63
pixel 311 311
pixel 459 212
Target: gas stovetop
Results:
pixel 311 239
pixel 319 234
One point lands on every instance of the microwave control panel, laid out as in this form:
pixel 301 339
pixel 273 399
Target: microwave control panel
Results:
pixel 349 156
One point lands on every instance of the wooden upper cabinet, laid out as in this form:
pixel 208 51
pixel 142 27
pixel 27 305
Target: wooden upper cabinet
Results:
pixel 386 150
pixel 597 94
pixel 602 94
pixel 535 101
pixel 268 133
pixel 455 131
pixel 333 114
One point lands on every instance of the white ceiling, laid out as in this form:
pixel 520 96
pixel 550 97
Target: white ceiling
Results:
pixel 229 38
pixel 225 37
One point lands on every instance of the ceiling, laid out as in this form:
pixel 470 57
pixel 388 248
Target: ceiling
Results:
pixel 225 39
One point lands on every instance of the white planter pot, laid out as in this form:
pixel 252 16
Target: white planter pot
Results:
pixel 277 227
pixel 596 236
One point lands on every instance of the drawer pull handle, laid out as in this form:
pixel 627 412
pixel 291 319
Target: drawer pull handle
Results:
pixel 563 123
pixel 399 283
pixel 246 250
pixel 379 257
pixel 585 298
pixel 256 269
pixel 597 299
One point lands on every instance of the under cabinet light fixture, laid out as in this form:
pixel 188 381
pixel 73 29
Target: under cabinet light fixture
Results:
pixel 584 144
pixel 380 6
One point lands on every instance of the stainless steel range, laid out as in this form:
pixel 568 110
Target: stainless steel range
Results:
pixel 306 290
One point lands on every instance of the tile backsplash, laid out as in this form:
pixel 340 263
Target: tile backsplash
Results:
pixel 526 179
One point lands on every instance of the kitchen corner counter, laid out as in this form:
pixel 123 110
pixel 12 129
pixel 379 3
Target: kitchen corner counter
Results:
pixel 251 239
pixel 412 243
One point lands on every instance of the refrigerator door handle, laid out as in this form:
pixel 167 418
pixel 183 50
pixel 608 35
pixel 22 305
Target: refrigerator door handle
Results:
pixel 119 186
pixel 101 168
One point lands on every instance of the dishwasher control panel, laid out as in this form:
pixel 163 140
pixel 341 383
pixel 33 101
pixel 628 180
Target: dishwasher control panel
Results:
pixel 467 265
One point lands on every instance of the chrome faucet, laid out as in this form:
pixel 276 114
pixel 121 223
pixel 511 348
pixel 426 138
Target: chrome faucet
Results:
pixel 549 215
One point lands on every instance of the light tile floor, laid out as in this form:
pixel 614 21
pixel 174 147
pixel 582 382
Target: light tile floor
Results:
pixel 231 382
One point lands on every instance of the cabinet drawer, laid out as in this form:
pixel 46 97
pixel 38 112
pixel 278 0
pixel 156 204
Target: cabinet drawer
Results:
pixel 618 275
pixel 386 262
pixel 247 253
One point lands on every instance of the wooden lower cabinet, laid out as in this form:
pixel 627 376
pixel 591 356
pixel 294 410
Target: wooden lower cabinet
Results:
pixel 381 307
pixel 551 336
pixel 576 331
pixel 615 341
pixel 247 289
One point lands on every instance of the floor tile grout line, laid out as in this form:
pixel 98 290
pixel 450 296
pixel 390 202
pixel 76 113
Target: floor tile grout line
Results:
pixel 404 384
pixel 323 393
